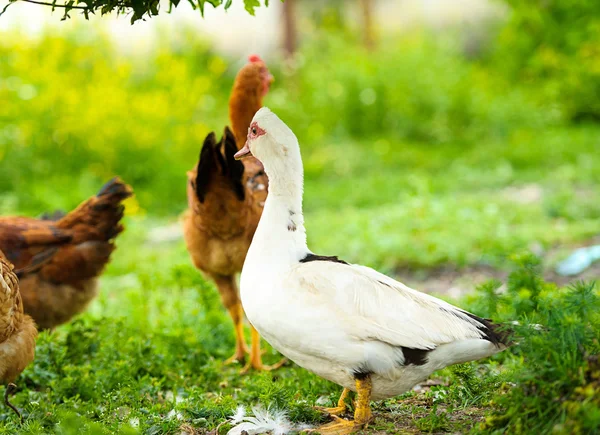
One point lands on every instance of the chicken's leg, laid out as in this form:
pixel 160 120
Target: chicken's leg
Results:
pixel 362 413
pixel 241 349
pixel 7 392
pixel 231 301
pixel 341 406
pixel 255 360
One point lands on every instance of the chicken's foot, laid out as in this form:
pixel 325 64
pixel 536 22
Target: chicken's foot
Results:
pixel 241 348
pixel 255 361
pixel 7 392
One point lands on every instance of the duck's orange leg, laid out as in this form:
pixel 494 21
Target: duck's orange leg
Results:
pixel 362 413
pixel 341 405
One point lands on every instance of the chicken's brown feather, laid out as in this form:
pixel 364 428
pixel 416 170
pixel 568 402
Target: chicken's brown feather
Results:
pixel 17 330
pixel 22 239
pixel 63 258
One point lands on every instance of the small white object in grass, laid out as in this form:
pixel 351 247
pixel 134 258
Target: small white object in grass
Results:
pixel 579 260
pixel 134 422
pixel 170 397
pixel 322 400
pixel 239 415
pixel 534 326
pixel 174 414
pixel 270 421
pixel 439 395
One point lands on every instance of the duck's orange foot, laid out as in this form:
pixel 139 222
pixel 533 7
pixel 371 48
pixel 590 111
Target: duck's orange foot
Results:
pixel 341 405
pixel 259 366
pixel 337 427
pixel 338 410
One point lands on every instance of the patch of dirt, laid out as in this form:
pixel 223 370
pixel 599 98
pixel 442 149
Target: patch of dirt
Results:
pixel 449 280
pixel 525 194
pixel 592 273
pixel 455 282
pixel 559 253
pixel 405 417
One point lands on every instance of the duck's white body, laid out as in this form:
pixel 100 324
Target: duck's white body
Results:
pixel 338 320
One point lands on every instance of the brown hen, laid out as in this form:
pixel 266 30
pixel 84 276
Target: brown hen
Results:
pixel 17 330
pixel 225 199
pixel 58 262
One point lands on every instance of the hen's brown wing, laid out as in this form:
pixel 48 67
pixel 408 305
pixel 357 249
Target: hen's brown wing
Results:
pixel 29 243
pixel 17 330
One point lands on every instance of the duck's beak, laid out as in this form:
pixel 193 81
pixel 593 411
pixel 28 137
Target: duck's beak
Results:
pixel 244 152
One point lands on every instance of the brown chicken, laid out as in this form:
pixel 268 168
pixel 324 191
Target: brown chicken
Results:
pixel 225 199
pixel 58 261
pixel 17 331
pixel 251 84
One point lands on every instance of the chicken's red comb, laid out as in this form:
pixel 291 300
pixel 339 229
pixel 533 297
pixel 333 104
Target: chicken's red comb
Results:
pixel 255 58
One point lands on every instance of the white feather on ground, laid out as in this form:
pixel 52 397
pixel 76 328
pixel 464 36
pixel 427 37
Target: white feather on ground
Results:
pixel 270 421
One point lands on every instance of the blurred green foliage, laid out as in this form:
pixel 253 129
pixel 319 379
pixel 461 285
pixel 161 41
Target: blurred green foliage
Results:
pixel 402 146
pixel 553 45
pixel 75 111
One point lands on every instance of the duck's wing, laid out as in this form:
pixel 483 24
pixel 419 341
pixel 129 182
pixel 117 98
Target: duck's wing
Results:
pixel 375 307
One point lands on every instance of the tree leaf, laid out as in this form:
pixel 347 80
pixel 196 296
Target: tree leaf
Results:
pixel 137 9
pixel 250 5
pixel 154 8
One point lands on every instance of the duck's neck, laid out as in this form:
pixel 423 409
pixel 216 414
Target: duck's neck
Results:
pixel 281 235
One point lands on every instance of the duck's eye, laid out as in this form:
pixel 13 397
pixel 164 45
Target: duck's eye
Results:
pixel 253 130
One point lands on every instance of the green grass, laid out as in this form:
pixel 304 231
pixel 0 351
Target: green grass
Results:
pixel 151 347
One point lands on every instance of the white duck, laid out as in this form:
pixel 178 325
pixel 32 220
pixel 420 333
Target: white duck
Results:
pixel 347 323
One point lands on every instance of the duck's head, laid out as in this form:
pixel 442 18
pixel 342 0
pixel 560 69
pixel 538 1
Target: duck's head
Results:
pixel 273 143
